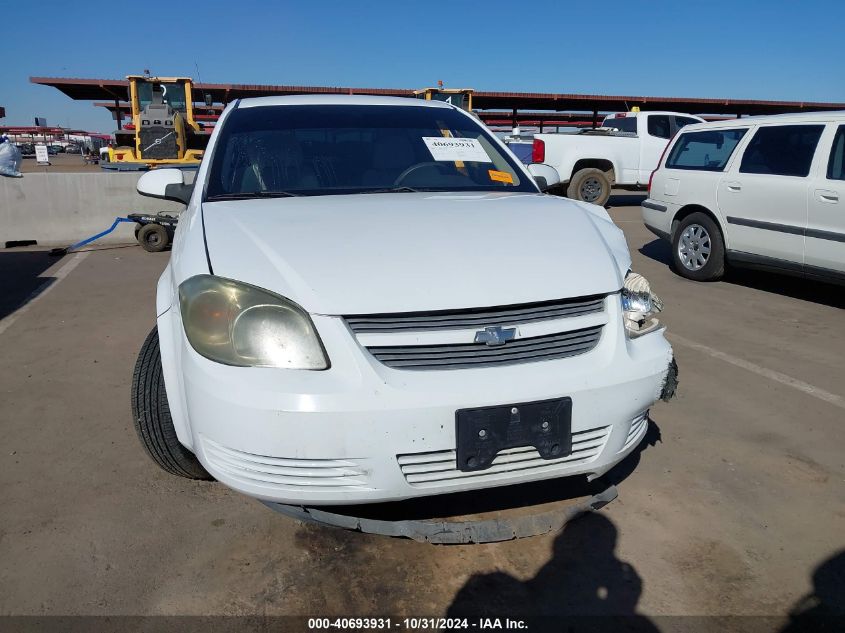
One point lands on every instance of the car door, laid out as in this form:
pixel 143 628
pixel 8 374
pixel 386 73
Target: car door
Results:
pixel 825 238
pixel 653 140
pixel 763 197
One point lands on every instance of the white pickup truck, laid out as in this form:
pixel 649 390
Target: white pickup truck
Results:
pixel 622 152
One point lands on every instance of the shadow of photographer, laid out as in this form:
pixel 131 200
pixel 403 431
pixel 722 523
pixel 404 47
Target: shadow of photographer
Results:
pixel 583 579
pixel 824 608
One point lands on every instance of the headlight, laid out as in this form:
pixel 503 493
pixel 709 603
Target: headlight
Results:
pixel 639 305
pixel 237 324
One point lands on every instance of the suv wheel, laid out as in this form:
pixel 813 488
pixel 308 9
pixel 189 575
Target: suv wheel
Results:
pixel 589 185
pixel 151 414
pixel 698 251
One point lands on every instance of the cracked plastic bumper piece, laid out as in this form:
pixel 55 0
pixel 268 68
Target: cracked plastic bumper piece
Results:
pixel 670 385
pixel 444 532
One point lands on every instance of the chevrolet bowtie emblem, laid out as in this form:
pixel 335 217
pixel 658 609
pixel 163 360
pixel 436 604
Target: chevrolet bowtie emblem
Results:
pixel 494 336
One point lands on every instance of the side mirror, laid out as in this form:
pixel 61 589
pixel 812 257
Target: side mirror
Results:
pixel 546 176
pixel 166 184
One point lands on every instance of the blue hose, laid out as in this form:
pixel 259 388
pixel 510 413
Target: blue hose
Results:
pixel 78 245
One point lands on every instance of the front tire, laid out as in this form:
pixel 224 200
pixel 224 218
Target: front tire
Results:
pixel 151 414
pixel 698 250
pixel 589 185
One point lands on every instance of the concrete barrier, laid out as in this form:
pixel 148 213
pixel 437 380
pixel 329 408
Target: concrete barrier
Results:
pixel 58 209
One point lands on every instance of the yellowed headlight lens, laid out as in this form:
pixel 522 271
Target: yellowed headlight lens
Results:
pixel 237 324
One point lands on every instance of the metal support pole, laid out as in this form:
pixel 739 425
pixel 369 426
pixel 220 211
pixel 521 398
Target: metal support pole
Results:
pixel 117 114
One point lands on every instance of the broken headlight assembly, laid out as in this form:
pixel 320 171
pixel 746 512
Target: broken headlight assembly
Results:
pixel 237 324
pixel 639 306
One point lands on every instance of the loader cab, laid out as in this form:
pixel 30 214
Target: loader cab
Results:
pixel 460 97
pixel 171 95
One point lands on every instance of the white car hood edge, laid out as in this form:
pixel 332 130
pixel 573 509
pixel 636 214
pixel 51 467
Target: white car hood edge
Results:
pixel 410 252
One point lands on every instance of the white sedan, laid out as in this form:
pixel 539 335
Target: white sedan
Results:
pixel 371 299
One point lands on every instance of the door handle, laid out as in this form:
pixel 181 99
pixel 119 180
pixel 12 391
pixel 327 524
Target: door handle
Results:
pixel 825 195
pixel 734 187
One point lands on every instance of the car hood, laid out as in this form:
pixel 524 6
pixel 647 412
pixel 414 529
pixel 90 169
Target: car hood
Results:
pixel 408 252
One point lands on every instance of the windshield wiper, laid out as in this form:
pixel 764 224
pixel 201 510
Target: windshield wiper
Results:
pixel 247 195
pixel 392 190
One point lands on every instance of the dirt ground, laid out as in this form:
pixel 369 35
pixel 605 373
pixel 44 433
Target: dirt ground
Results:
pixel 734 506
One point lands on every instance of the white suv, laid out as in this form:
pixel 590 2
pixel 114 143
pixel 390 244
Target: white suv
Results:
pixel 370 299
pixel 762 192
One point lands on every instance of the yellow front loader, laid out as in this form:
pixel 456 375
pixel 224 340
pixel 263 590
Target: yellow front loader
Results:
pixel 163 129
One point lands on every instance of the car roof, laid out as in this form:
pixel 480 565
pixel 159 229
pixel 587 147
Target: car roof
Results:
pixel 774 119
pixel 336 99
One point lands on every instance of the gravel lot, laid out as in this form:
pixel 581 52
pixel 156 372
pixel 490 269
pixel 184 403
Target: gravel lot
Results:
pixel 736 507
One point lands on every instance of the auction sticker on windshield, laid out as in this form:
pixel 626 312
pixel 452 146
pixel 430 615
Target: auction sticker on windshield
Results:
pixel 456 149
pixel 500 176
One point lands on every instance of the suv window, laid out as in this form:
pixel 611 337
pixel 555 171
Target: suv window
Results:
pixel 781 150
pixel 658 125
pixel 705 150
pixel 836 165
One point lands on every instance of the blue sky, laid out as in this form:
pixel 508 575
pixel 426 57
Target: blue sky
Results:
pixel 765 50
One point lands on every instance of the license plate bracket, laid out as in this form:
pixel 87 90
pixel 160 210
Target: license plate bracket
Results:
pixel 483 432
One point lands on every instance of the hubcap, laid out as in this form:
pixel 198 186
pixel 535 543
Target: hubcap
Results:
pixel 153 239
pixel 694 247
pixel 591 189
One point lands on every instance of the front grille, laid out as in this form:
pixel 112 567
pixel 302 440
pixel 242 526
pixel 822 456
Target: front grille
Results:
pixel 477 318
pixel 524 350
pixel 318 475
pixel 439 468
pixel 158 143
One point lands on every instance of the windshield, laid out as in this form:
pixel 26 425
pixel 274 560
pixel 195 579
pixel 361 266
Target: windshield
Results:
pixel 335 149
pixel 173 94
pixel 623 124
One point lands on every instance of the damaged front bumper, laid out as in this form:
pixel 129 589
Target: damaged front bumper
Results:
pixel 670 384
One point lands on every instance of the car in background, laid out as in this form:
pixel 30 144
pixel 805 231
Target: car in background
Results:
pixel 621 153
pixel 370 299
pixel 73 149
pixel 57 149
pixel 27 149
pixel 522 148
pixel 760 192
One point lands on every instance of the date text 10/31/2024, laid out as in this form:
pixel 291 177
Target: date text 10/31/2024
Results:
pixel 415 624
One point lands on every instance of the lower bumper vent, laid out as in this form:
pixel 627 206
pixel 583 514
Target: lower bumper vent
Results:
pixel 438 468
pixel 312 474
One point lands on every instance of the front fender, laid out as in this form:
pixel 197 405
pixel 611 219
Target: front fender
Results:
pixel 164 291
pixel 170 345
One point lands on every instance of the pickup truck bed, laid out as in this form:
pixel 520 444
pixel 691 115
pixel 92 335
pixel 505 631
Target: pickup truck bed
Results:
pixel 592 161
